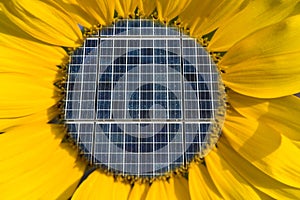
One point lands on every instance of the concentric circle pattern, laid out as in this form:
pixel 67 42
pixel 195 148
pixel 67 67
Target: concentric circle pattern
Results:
pixel 142 98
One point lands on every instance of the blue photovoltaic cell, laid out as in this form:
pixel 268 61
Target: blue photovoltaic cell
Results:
pixel 141 98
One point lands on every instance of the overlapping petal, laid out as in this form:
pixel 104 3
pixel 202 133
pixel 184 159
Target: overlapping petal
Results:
pixel 266 63
pixel 203 17
pixel 20 58
pixel 35 166
pixel 101 186
pixel 257 179
pixel 24 95
pixel 200 184
pixel 276 39
pixel 169 9
pixel 139 191
pixel 263 13
pixel 268 150
pixel 174 188
pixel 44 20
pixel 126 8
pixel 229 182
pixel 147 7
pixel 268 77
pixel 101 10
pixel 281 114
pixel 78 13
pixel 9 29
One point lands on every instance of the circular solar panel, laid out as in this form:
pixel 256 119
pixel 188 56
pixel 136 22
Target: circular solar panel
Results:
pixel 142 98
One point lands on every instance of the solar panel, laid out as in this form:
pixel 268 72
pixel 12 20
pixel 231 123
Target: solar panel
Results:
pixel 141 98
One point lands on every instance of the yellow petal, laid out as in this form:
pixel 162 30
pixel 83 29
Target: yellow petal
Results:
pixel 266 77
pixel 21 59
pixel 22 95
pixel 65 181
pixel 37 164
pixel 126 8
pixel 44 20
pixel 203 17
pixel 256 15
pixel 268 150
pixel 101 10
pixel 32 138
pixel 200 183
pixel 147 7
pixel 139 191
pixel 195 15
pixel 266 54
pixel 181 187
pixel 21 64
pixel 44 115
pixel 15 39
pixel 281 114
pixel 169 9
pixel 77 12
pixel 229 182
pixel 51 180
pixel 174 188
pixel 25 144
pixel 101 186
pixel 32 50
pixel 159 190
pixel 254 176
pixel 8 28
pixel 277 39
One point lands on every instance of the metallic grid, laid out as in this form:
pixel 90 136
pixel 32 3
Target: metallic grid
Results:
pixel 140 98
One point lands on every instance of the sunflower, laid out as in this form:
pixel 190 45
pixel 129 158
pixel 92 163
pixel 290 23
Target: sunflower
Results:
pixel 256 47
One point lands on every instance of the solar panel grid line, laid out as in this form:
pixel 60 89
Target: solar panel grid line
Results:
pixel 198 90
pixel 84 90
pixel 81 82
pixel 153 64
pixel 88 74
pixel 161 110
pixel 126 77
pixel 153 76
pixel 182 101
pixel 112 75
pixel 95 101
pixel 204 121
pixel 156 37
pixel 139 107
pixel 75 81
pixel 168 106
pixel 131 158
pixel 111 104
pixel 211 85
pixel 133 37
pixel 68 92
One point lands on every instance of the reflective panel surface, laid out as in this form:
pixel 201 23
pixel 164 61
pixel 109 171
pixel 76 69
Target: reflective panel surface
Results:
pixel 141 98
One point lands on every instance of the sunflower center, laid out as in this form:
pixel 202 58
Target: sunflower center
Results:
pixel 143 99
